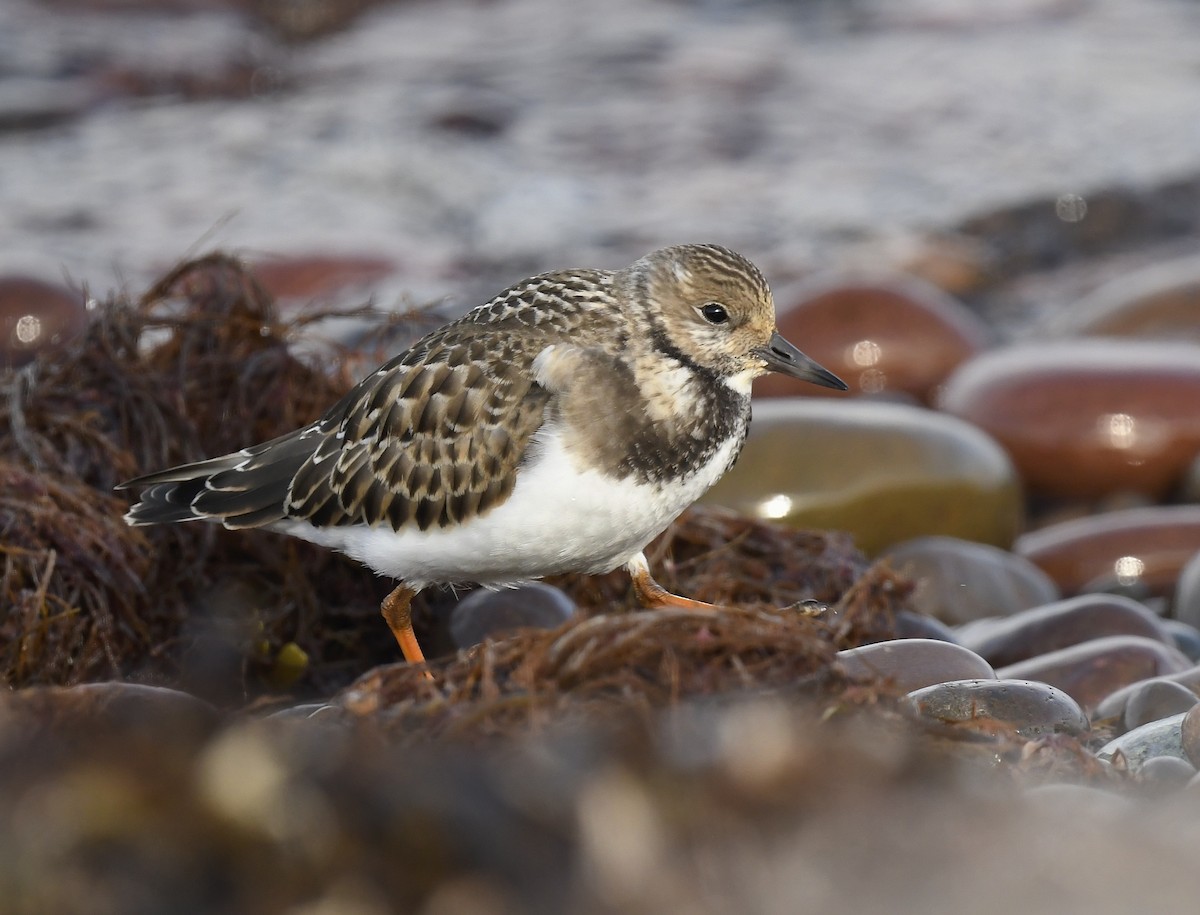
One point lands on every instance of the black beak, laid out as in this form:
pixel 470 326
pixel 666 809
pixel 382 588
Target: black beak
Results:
pixel 781 356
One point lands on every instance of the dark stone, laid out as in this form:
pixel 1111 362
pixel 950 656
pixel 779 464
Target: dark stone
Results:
pixel 910 625
pixel 1031 709
pixel 484 614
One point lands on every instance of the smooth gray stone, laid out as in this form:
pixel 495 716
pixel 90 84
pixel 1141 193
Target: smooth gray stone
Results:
pixel 909 664
pixel 1032 709
pixel 1158 738
pixel 1164 774
pixel 1185 637
pixel 1187 593
pixel 486 614
pixel 1152 700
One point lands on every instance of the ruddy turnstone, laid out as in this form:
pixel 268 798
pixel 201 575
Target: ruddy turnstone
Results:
pixel 557 428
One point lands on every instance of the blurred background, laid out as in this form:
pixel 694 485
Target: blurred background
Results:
pixel 459 145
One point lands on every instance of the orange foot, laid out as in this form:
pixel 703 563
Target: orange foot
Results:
pixel 397 613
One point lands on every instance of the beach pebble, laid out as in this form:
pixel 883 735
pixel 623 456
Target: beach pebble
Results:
pixel 909 664
pixel 1092 670
pixel 1163 737
pixel 1156 302
pixel 881 336
pixel 1186 607
pixel 1032 709
pixel 36 317
pixel 960 580
pixel 1059 625
pixel 1189 733
pixel 912 625
pixel 1151 700
pixel 314 276
pixel 1164 774
pixel 1184 636
pixel 1086 418
pixel 1113 705
pixel 485 614
pixel 112 705
pixel 1143 547
pixel 885 472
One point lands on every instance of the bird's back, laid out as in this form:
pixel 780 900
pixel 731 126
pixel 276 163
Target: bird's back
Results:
pixel 432 438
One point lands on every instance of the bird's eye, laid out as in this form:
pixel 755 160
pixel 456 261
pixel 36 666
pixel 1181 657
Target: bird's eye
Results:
pixel 714 313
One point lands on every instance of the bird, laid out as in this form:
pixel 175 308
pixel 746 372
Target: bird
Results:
pixel 558 427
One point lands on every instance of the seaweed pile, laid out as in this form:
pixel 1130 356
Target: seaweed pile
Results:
pixel 199 365
pixel 203 364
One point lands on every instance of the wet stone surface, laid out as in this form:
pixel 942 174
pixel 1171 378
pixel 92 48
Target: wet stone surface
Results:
pixel 893 336
pixel 1030 708
pixel 1138 547
pixel 885 472
pixel 1086 418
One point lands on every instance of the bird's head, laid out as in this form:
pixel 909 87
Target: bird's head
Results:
pixel 714 308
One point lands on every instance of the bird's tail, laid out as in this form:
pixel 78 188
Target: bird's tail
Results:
pixel 248 488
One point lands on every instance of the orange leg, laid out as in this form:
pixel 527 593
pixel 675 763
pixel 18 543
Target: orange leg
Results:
pixel 653 595
pixel 397 613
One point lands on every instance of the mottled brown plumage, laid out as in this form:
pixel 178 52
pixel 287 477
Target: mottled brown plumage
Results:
pixel 633 383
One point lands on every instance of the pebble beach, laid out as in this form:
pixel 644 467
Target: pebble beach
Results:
pixel 962 664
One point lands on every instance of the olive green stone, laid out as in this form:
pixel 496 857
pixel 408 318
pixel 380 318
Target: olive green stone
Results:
pixel 885 472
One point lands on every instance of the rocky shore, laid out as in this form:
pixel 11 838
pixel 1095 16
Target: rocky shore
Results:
pixel 960 668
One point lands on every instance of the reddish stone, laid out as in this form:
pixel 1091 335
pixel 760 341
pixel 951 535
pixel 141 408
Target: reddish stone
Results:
pixel 1090 671
pixel 1147 547
pixel 315 276
pixel 1158 302
pixel 36 317
pixel 909 664
pixel 897 335
pixel 1062 624
pixel 1087 418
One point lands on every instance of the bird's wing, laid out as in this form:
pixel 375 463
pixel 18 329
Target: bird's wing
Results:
pixel 431 439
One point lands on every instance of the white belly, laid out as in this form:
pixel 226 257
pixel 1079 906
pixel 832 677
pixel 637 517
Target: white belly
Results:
pixel 558 519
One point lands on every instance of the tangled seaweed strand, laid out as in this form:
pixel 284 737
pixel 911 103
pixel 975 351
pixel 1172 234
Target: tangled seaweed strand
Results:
pixel 638 660
pixel 200 365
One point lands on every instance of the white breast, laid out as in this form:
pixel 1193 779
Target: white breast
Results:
pixel 560 518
